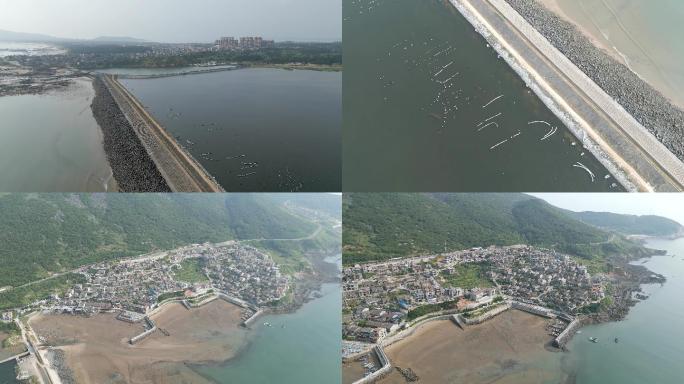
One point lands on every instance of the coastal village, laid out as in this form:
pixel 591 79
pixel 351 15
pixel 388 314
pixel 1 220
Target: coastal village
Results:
pixel 141 285
pixel 383 301
pixel 135 288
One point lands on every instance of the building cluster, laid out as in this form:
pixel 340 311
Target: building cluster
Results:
pixel 546 278
pixel 246 273
pixel 244 43
pixel 134 286
pixel 7 317
pixel 377 297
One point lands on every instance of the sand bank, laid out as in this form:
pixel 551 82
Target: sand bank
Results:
pixel 510 348
pixel 97 349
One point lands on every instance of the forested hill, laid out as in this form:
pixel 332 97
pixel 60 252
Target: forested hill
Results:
pixel 385 225
pixel 41 234
pixel 631 224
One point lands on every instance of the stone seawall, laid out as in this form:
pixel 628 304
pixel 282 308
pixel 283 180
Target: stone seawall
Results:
pixel 568 333
pixel 143 335
pixel 487 315
pixel 134 170
pixel 648 106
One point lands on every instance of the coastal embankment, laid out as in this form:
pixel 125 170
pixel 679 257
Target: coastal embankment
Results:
pixel 653 110
pixel 134 170
pixel 163 158
pixel 639 158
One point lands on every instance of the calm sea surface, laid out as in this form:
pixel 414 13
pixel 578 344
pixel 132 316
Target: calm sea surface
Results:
pixel 52 143
pixel 254 129
pixel 7 375
pixel 651 338
pixel 299 348
pixel 421 110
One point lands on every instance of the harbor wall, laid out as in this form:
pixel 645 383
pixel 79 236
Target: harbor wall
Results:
pixel 142 336
pixel 253 318
pixel 384 370
pixel 568 333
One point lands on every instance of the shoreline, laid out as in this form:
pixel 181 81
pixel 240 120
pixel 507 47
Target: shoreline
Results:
pixel 219 68
pixel 648 106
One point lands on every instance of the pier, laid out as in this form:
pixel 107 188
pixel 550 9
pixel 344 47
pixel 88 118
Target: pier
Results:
pixel 179 169
pixel 626 148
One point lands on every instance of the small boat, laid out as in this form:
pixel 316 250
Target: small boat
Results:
pixel 267 324
pixel 593 340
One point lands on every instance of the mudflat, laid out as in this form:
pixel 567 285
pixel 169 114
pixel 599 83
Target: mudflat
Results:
pixel 509 348
pixel 97 348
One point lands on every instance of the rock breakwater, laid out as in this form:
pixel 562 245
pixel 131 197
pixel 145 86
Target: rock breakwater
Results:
pixel 648 106
pixel 134 170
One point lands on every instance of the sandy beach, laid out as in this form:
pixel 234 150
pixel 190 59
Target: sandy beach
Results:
pixel 620 29
pixel 97 348
pixel 509 348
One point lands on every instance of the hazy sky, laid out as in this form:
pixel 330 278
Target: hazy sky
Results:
pixel 176 20
pixel 670 205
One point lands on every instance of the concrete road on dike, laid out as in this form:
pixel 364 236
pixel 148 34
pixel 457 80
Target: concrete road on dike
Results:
pixel 635 157
pixel 181 171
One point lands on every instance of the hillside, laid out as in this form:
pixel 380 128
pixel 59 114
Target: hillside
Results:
pixel 382 225
pixel 630 224
pixel 328 203
pixel 47 233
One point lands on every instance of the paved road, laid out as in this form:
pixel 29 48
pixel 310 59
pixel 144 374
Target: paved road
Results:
pixel 180 170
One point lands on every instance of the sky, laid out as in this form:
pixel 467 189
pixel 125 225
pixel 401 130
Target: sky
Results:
pixel 176 20
pixel 670 205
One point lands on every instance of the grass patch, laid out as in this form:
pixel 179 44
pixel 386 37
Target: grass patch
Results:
pixel 169 295
pixel 468 276
pixel 191 271
pixel 430 308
